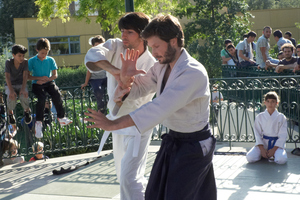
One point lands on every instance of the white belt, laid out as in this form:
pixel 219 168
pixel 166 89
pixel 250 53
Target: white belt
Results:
pixel 126 131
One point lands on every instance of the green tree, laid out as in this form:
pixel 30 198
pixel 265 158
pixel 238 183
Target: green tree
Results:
pixel 109 11
pixel 260 4
pixel 287 4
pixel 10 9
pixel 213 21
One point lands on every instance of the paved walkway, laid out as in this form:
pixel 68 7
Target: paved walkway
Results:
pixel 236 179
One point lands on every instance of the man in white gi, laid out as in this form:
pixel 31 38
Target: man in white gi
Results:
pixel 183 167
pixel 130 149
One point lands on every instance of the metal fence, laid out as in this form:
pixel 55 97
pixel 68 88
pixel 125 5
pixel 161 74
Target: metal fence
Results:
pixel 231 118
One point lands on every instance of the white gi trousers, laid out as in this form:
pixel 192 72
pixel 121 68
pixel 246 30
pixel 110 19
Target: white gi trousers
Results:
pixel 254 155
pixel 130 170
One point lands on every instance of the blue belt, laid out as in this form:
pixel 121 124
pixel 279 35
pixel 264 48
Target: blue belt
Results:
pixel 272 141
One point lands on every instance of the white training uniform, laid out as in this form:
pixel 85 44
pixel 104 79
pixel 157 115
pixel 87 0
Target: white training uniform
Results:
pixel 130 148
pixel 274 125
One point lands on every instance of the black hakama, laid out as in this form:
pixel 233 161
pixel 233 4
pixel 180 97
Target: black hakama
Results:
pixel 180 171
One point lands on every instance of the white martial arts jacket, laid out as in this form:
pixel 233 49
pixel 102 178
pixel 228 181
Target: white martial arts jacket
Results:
pixel 274 125
pixel 183 105
pixel 110 51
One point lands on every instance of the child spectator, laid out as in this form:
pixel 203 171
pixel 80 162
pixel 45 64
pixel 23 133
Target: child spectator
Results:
pixel 44 71
pixel 98 81
pixel 38 149
pixel 12 146
pixel 270 130
pixel 224 54
pixel 16 72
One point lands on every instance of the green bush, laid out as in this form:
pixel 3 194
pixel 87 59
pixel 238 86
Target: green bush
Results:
pixel 68 77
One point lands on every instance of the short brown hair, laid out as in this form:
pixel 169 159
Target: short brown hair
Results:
pixel 166 27
pixel 43 43
pixel 97 39
pixel 272 95
pixel 287 45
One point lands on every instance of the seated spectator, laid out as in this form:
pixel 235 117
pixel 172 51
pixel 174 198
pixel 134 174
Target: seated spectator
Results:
pixel 245 51
pixel 279 39
pixel 16 72
pixel 288 35
pixel 280 55
pixel 224 54
pixel 38 149
pixel 298 55
pixel 233 54
pixel 263 47
pixel 289 62
pixel 12 147
pixel 270 128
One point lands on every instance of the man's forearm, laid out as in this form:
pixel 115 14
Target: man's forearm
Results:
pixel 102 65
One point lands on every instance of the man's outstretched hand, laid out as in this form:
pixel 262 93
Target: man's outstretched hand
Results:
pixel 99 120
pixel 129 69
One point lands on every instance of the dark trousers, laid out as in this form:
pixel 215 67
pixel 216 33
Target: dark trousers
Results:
pixel 180 171
pixel 99 87
pixel 40 92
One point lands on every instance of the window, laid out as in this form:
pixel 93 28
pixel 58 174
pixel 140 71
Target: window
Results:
pixel 59 45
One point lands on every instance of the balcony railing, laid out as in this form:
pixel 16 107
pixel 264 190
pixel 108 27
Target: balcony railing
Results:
pixel 231 119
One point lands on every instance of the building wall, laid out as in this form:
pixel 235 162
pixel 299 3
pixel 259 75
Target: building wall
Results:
pixel 283 19
pixel 29 28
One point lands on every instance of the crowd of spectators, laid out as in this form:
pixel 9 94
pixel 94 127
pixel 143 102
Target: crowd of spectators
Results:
pixel 248 53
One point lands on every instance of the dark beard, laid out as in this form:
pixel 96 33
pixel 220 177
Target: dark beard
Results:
pixel 169 55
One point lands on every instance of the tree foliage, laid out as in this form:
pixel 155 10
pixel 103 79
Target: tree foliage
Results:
pixel 287 4
pixel 260 4
pixel 10 9
pixel 109 11
pixel 213 21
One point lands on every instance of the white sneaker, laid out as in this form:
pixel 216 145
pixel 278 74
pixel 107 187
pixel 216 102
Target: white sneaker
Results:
pixel 38 129
pixel 64 121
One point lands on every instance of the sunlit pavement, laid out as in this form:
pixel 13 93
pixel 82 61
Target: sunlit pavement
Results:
pixel 235 178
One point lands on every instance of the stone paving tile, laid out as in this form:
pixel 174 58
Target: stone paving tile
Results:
pixel 235 178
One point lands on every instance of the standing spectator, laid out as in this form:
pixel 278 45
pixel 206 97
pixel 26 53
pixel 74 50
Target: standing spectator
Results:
pixel 16 73
pixel 279 39
pixel 245 51
pixel 224 53
pixel 44 72
pixel 288 35
pixel 270 130
pixel 98 81
pixel 263 47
